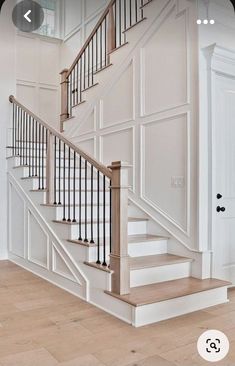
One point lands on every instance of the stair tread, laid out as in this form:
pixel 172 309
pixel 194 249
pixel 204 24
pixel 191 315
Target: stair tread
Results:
pixel 131 219
pixel 130 238
pixel 156 261
pixel 167 290
pixel 133 239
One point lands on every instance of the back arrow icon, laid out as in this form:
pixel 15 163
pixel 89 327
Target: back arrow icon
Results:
pixel 26 16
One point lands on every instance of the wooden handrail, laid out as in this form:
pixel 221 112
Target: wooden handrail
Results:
pixel 105 13
pixel 100 167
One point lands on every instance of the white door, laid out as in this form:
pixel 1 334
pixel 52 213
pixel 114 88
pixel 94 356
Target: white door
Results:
pixel 223 178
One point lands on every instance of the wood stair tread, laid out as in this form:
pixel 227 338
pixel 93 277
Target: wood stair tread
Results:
pixel 131 219
pixel 168 290
pixel 156 261
pixel 133 239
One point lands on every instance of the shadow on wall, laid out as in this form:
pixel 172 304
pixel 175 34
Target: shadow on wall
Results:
pixel 1 4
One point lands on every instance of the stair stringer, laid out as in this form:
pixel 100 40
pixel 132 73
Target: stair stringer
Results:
pixel 48 271
pixel 83 281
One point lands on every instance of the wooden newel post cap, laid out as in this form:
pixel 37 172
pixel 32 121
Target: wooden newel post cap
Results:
pixel 11 98
pixel 119 164
pixel 64 71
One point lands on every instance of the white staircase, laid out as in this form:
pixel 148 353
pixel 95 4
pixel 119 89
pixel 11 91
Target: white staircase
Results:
pixel 161 282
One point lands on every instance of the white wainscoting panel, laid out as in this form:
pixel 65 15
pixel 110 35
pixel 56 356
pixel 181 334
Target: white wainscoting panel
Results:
pixel 164 159
pixel 59 266
pixel 88 145
pixel 16 222
pixel 118 104
pixel 164 65
pixel 38 242
pixel 110 150
pixel 37 71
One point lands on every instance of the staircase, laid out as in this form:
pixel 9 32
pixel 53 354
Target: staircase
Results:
pixel 92 228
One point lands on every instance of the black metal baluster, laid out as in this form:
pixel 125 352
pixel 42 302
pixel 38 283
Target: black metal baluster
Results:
pixel 80 79
pixel 64 192
pixel 142 10
pixel 74 186
pixel 26 135
pixel 136 11
pixel 80 198
pixel 84 71
pixel 77 67
pixel 120 22
pixel 39 157
pixel 98 217
pixel 69 192
pixel 13 130
pixel 71 93
pixel 105 41
pixel 17 130
pixel 101 48
pixel 104 223
pixel 124 14
pixel 92 192
pixel 88 67
pixel 130 2
pixel 37 151
pixel 110 217
pixel 115 23
pixel 55 173
pixel 86 240
pixel 59 203
pixel 96 45
pixel 30 146
pixel 92 61
pixel 21 137
pixel 43 148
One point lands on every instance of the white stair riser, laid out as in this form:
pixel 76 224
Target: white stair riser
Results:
pixel 137 227
pixel 25 173
pixel 147 248
pixel 65 183
pixel 151 313
pixel 147 276
pixel 57 213
pixel 72 231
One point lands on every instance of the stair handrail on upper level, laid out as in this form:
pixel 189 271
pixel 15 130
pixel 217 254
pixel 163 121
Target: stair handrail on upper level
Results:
pixel 107 35
pixel 61 168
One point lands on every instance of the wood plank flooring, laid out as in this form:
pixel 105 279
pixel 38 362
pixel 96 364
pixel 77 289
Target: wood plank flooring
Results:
pixel 41 324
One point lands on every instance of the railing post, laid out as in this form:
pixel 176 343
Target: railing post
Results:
pixel 50 168
pixel 64 98
pixel 119 258
pixel 111 30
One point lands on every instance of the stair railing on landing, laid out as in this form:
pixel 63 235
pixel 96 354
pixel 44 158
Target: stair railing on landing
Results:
pixel 80 185
pixel 108 34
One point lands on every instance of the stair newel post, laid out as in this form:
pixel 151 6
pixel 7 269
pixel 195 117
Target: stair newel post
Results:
pixel 119 258
pixel 111 31
pixel 64 98
pixel 50 170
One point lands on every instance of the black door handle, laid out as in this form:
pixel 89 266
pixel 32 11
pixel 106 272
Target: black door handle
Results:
pixel 218 209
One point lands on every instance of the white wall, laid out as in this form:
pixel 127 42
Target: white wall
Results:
pixel 7 87
pixel 37 75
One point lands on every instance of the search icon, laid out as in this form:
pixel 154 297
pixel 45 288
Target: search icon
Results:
pixel 213 346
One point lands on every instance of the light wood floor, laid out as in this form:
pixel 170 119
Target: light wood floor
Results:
pixel 42 325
